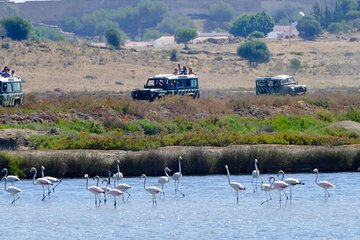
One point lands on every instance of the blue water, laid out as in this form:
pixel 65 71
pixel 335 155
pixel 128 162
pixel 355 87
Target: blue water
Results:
pixel 208 211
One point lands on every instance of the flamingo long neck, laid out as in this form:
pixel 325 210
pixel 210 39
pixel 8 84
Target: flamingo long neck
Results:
pixel 167 175
pixel 42 172
pixel 228 174
pixel 5 182
pixel 6 172
pixel 282 175
pixel 179 166
pixel 114 180
pixel 144 183
pixel 118 167
pixel 316 179
pixel 97 181
pixel 256 168
pixel 34 176
pixel 87 183
pixel 271 181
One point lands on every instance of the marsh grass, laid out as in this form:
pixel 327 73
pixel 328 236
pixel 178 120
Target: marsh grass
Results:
pixel 197 161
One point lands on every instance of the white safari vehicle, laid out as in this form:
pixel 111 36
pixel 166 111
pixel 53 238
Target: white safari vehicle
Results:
pixel 11 91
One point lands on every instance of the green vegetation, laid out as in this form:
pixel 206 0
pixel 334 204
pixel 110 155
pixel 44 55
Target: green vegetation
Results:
pixel 254 51
pixel 256 34
pixel 16 28
pixel 115 37
pixel 124 124
pixel 197 161
pixel 308 28
pixel 246 24
pixel 221 12
pixel 185 35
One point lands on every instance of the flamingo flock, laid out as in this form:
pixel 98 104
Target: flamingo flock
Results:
pixel 121 189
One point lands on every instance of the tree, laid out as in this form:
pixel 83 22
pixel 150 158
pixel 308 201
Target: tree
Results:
pixel 185 35
pixel 246 24
pixel 171 24
pixel 342 7
pixel 317 12
pixel 255 52
pixel 221 12
pixel 308 28
pixel 115 37
pixel 16 28
pixel 72 24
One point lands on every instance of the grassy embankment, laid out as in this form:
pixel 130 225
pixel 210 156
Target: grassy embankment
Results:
pixel 85 122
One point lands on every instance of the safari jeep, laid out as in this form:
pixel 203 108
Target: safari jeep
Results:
pixel 168 84
pixel 280 85
pixel 11 91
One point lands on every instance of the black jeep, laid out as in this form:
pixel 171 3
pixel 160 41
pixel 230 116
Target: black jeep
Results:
pixel 279 85
pixel 165 84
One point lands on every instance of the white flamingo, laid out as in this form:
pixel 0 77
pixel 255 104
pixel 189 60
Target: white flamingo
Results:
pixel 10 178
pixel 94 190
pixel 51 179
pixel 152 190
pixel 235 185
pixel 104 188
pixel 266 187
pixel 255 175
pixel 119 175
pixel 12 190
pixel 41 181
pixel 291 181
pixel 323 184
pixel 113 191
pixel 177 177
pixel 164 179
pixel 280 186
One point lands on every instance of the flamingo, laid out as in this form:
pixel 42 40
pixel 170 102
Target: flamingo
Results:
pixel 104 188
pixel 280 186
pixel 41 181
pixel 113 191
pixel 177 177
pixel 119 175
pixel 235 185
pixel 10 178
pixel 255 175
pixel 291 181
pixel 152 190
pixel 51 179
pixel 94 190
pixel 323 184
pixel 124 188
pixel 266 187
pixel 164 179
pixel 12 190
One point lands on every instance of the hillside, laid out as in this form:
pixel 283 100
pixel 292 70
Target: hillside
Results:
pixel 328 63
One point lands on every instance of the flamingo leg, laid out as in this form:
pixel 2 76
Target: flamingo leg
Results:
pixel 237 197
pixel 43 199
pixel 57 185
pixel 99 200
pixel 267 200
pixel 290 193
pixel 95 201
pixel 256 180
pixel 114 201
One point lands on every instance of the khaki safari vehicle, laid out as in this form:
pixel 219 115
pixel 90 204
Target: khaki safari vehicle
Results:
pixel 168 84
pixel 279 85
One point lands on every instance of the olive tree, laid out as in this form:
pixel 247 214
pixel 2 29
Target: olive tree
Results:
pixel 16 28
pixel 246 24
pixel 255 52
pixel 185 35
pixel 115 37
pixel 308 28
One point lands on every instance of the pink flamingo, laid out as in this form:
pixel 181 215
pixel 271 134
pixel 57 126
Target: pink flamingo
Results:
pixel 94 190
pixel 177 176
pixel 235 185
pixel 291 181
pixel 51 179
pixel 10 178
pixel 164 179
pixel 255 175
pixel 323 184
pixel 113 191
pixel 280 186
pixel 152 190
pixel 12 190
pixel 266 187
pixel 41 181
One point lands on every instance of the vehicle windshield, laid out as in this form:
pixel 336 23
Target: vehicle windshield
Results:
pixel 288 81
pixel 155 83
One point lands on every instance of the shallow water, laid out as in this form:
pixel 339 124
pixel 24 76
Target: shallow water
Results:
pixel 208 211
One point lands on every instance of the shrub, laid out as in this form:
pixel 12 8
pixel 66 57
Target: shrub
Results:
pixel 339 27
pixel 295 64
pixel 185 35
pixel 5 45
pixel 256 34
pixel 16 28
pixel 308 28
pixel 254 51
pixel 115 37
pixel 246 24
pixel 221 12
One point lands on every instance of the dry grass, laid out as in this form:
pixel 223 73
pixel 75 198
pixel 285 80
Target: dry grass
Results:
pixel 63 66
